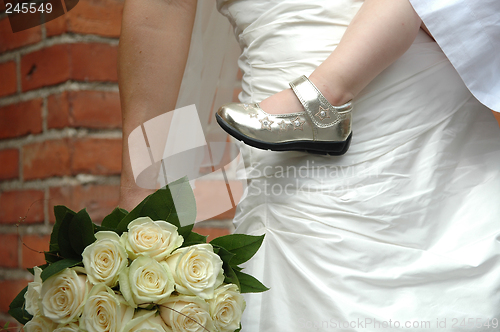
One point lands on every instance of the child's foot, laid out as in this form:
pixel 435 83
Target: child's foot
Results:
pixel 285 102
pixel 282 102
pixel 315 126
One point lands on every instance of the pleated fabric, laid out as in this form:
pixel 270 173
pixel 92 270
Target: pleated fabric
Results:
pixel 404 229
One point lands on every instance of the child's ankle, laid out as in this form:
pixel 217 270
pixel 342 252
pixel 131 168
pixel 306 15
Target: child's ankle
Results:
pixel 334 93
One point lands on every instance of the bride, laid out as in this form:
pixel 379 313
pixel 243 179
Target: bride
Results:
pixel 399 232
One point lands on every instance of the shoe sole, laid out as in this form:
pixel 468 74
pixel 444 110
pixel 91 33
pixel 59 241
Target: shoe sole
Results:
pixel 324 148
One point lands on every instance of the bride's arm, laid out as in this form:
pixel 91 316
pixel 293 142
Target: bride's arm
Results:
pixel 152 55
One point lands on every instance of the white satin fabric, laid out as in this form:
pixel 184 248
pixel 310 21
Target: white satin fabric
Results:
pixel 469 34
pixel 403 228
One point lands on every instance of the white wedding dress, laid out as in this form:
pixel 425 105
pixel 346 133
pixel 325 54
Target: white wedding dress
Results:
pixel 405 227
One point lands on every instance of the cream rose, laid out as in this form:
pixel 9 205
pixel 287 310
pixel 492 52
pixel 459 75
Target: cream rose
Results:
pixel 105 311
pixel 71 327
pixel 63 295
pixel 226 308
pixel 32 295
pixel 39 324
pixel 146 281
pixel 147 321
pixel 197 270
pixel 105 259
pixel 155 239
pixel 190 313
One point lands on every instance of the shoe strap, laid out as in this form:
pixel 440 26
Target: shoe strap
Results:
pixel 320 111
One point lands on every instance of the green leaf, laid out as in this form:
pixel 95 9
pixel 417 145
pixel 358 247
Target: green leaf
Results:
pixel 81 231
pixel 58 267
pixel 194 238
pixel 60 212
pixel 113 219
pixel 43 267
pixel 16 308
pixel 137 212
pixel 160 206
pixel 242 245
pixel 230 275
pixel 75 234
pixel 64 236
pixel 239 329
pixel 52 257
pixel 151 306
pixel 225 255
pixel 249 284
pixel 184 210
pixel 186 231
pixel 98 228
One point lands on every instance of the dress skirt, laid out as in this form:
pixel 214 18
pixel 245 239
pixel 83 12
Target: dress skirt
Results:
pixel 401 232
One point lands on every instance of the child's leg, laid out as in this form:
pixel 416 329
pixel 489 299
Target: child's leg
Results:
pixel 379 34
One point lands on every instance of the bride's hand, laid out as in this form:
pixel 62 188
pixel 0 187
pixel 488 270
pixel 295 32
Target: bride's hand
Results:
pixel 131 196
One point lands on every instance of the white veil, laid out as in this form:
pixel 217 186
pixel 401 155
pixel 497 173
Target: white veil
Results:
pixel 210 75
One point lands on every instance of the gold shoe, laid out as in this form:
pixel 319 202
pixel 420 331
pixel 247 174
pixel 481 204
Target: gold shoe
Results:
pixel 322 128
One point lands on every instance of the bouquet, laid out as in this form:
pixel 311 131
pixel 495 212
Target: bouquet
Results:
pixel 138 271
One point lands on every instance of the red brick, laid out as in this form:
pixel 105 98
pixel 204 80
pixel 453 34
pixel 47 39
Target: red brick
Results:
pixel 10 40
pixel 13 325
pixel 31 246
pixel 89 109
pixel 9 290
pixel 229 214
pixel 46 159
pixel 99 200
pixel 9 246
pixel 21 119
pixel 97 156
pixel 94 62
pixel 96 109
pixel 25 205
pixel 48 66
pixel 211 232
pixel 8 83
pixel 58 115
pixel 57 26
pixel 9 159
pixel 59 63
pixel 99 17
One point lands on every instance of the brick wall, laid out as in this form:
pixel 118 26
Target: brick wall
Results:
pixel 60 136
